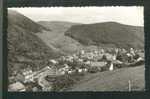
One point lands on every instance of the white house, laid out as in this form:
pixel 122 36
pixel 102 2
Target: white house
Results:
pixel 140 59
pixel 82 52
pixel 28 75
pixel 53 61
pixel 132 51
pixel 98 64
pixel 61 71
pixel 80 70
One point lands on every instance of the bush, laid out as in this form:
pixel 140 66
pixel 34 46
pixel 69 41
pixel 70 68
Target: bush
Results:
pixel 137 63
pixel 105 68
pixel 136 56
pixel 94 69
pixel 104 57
pixel 65 81
pixel 62 82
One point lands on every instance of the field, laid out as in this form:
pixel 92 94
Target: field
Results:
pixel 117 80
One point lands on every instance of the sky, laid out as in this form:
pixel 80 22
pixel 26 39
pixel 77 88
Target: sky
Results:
pixel 130 15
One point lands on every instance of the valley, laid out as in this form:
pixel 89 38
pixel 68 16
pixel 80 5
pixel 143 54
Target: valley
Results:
pixel 67 56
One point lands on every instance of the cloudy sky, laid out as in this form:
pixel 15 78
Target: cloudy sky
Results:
pixel 126 15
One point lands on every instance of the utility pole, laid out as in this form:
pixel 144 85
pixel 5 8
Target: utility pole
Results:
pixel 129 85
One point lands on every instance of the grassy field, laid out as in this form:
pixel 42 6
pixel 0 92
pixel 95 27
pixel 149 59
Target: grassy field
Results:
pixel 116 80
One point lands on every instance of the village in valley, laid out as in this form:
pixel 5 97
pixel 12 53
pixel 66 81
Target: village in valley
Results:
pixel 63 72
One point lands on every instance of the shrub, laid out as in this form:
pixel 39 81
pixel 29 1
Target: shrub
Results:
pixel 94 69
pixel 65 81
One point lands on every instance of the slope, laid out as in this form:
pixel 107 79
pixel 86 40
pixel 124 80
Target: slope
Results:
pixel 25 49
pixel 57 38
pixel 117 80
pixel 108 33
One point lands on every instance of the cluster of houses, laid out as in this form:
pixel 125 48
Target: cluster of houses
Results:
pixel 102 59
pixel 80 62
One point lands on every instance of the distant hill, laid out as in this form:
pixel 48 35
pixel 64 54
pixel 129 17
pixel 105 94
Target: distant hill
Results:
pixel 59 26
pixel 24 47
pixel 57 38
pixel 108 33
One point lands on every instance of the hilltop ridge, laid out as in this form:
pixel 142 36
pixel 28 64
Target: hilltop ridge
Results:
pixel 108 33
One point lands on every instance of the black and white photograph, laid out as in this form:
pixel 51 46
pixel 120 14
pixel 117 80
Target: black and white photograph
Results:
pixel 76 49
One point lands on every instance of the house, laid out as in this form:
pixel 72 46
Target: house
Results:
pixel 28 75
pixel 18 86
pixel 98 64
pixel 102 51
pixel 114 57
pixel 25 76
pixel 66 66
pixel 80 60
pixel 129 55
pixel 53 61
pixel 61 71
pixel 110 56
pixel 85 69
pixel 87 63
pixel 82 52
pixel 117 62
pixel 71 71
pixel 132 51
pixel 80 70
pixel 140 59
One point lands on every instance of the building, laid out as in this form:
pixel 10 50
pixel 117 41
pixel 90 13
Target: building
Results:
pixel 110 56
pixel 111 68
pixel 61 71
pixel 53 61
pixel 98 64
pixel 18 86
pixel 82 52
pixel 28 76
